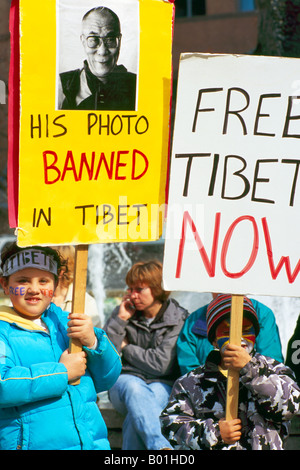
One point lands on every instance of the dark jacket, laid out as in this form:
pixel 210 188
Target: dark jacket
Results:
pixel 82 90
pixel 151 352
pixel 293 352
pixel 268 399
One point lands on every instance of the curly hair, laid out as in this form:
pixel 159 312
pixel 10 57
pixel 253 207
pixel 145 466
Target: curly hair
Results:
pixel 67 254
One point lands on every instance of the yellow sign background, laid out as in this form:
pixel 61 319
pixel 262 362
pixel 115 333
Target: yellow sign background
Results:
pixel 94 209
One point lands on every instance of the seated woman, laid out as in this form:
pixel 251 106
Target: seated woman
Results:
pixel 144 328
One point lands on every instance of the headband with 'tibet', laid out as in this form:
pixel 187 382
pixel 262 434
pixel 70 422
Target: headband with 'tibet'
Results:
pixel 30 258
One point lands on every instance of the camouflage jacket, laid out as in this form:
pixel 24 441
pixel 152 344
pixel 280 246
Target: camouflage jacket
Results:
pixel 268 399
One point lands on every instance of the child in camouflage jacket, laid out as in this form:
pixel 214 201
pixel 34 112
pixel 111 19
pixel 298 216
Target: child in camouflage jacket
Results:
pixel 194 418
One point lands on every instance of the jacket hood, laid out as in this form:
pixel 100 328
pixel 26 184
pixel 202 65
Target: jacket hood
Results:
pixel 9 315
pixel 169 315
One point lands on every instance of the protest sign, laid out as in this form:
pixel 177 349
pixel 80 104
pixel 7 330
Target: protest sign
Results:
pixel 92 173
pixel 234 199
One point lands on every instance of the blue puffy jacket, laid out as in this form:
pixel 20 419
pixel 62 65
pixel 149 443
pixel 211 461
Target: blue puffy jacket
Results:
pixel 39 410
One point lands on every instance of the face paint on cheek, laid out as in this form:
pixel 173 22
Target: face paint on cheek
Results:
pixel 222 343
pixel 20 291
pixel 17 291
pixel 247 345
pixel 47 292
pixel 248 339
pixel 222 335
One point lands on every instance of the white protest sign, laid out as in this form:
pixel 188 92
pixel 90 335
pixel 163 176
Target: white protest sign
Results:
pixel 233 222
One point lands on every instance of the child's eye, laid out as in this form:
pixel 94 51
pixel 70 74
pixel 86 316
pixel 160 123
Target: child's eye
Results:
pixel 44 281
pixel 21 281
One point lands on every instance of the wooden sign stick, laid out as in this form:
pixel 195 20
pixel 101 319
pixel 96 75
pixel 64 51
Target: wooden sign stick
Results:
pixel 79 289
pixel 236 328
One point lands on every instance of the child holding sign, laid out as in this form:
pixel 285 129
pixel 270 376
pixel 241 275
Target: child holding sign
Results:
pixel 268 395
pixel 40 409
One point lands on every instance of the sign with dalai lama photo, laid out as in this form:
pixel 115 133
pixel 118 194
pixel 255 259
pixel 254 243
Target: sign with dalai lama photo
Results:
pixel 90 158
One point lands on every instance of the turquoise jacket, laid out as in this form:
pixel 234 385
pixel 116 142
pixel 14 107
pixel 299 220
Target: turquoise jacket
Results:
pixel 193 346
pixel 39 410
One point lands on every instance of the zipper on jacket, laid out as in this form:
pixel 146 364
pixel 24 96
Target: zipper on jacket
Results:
pixel 20 438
